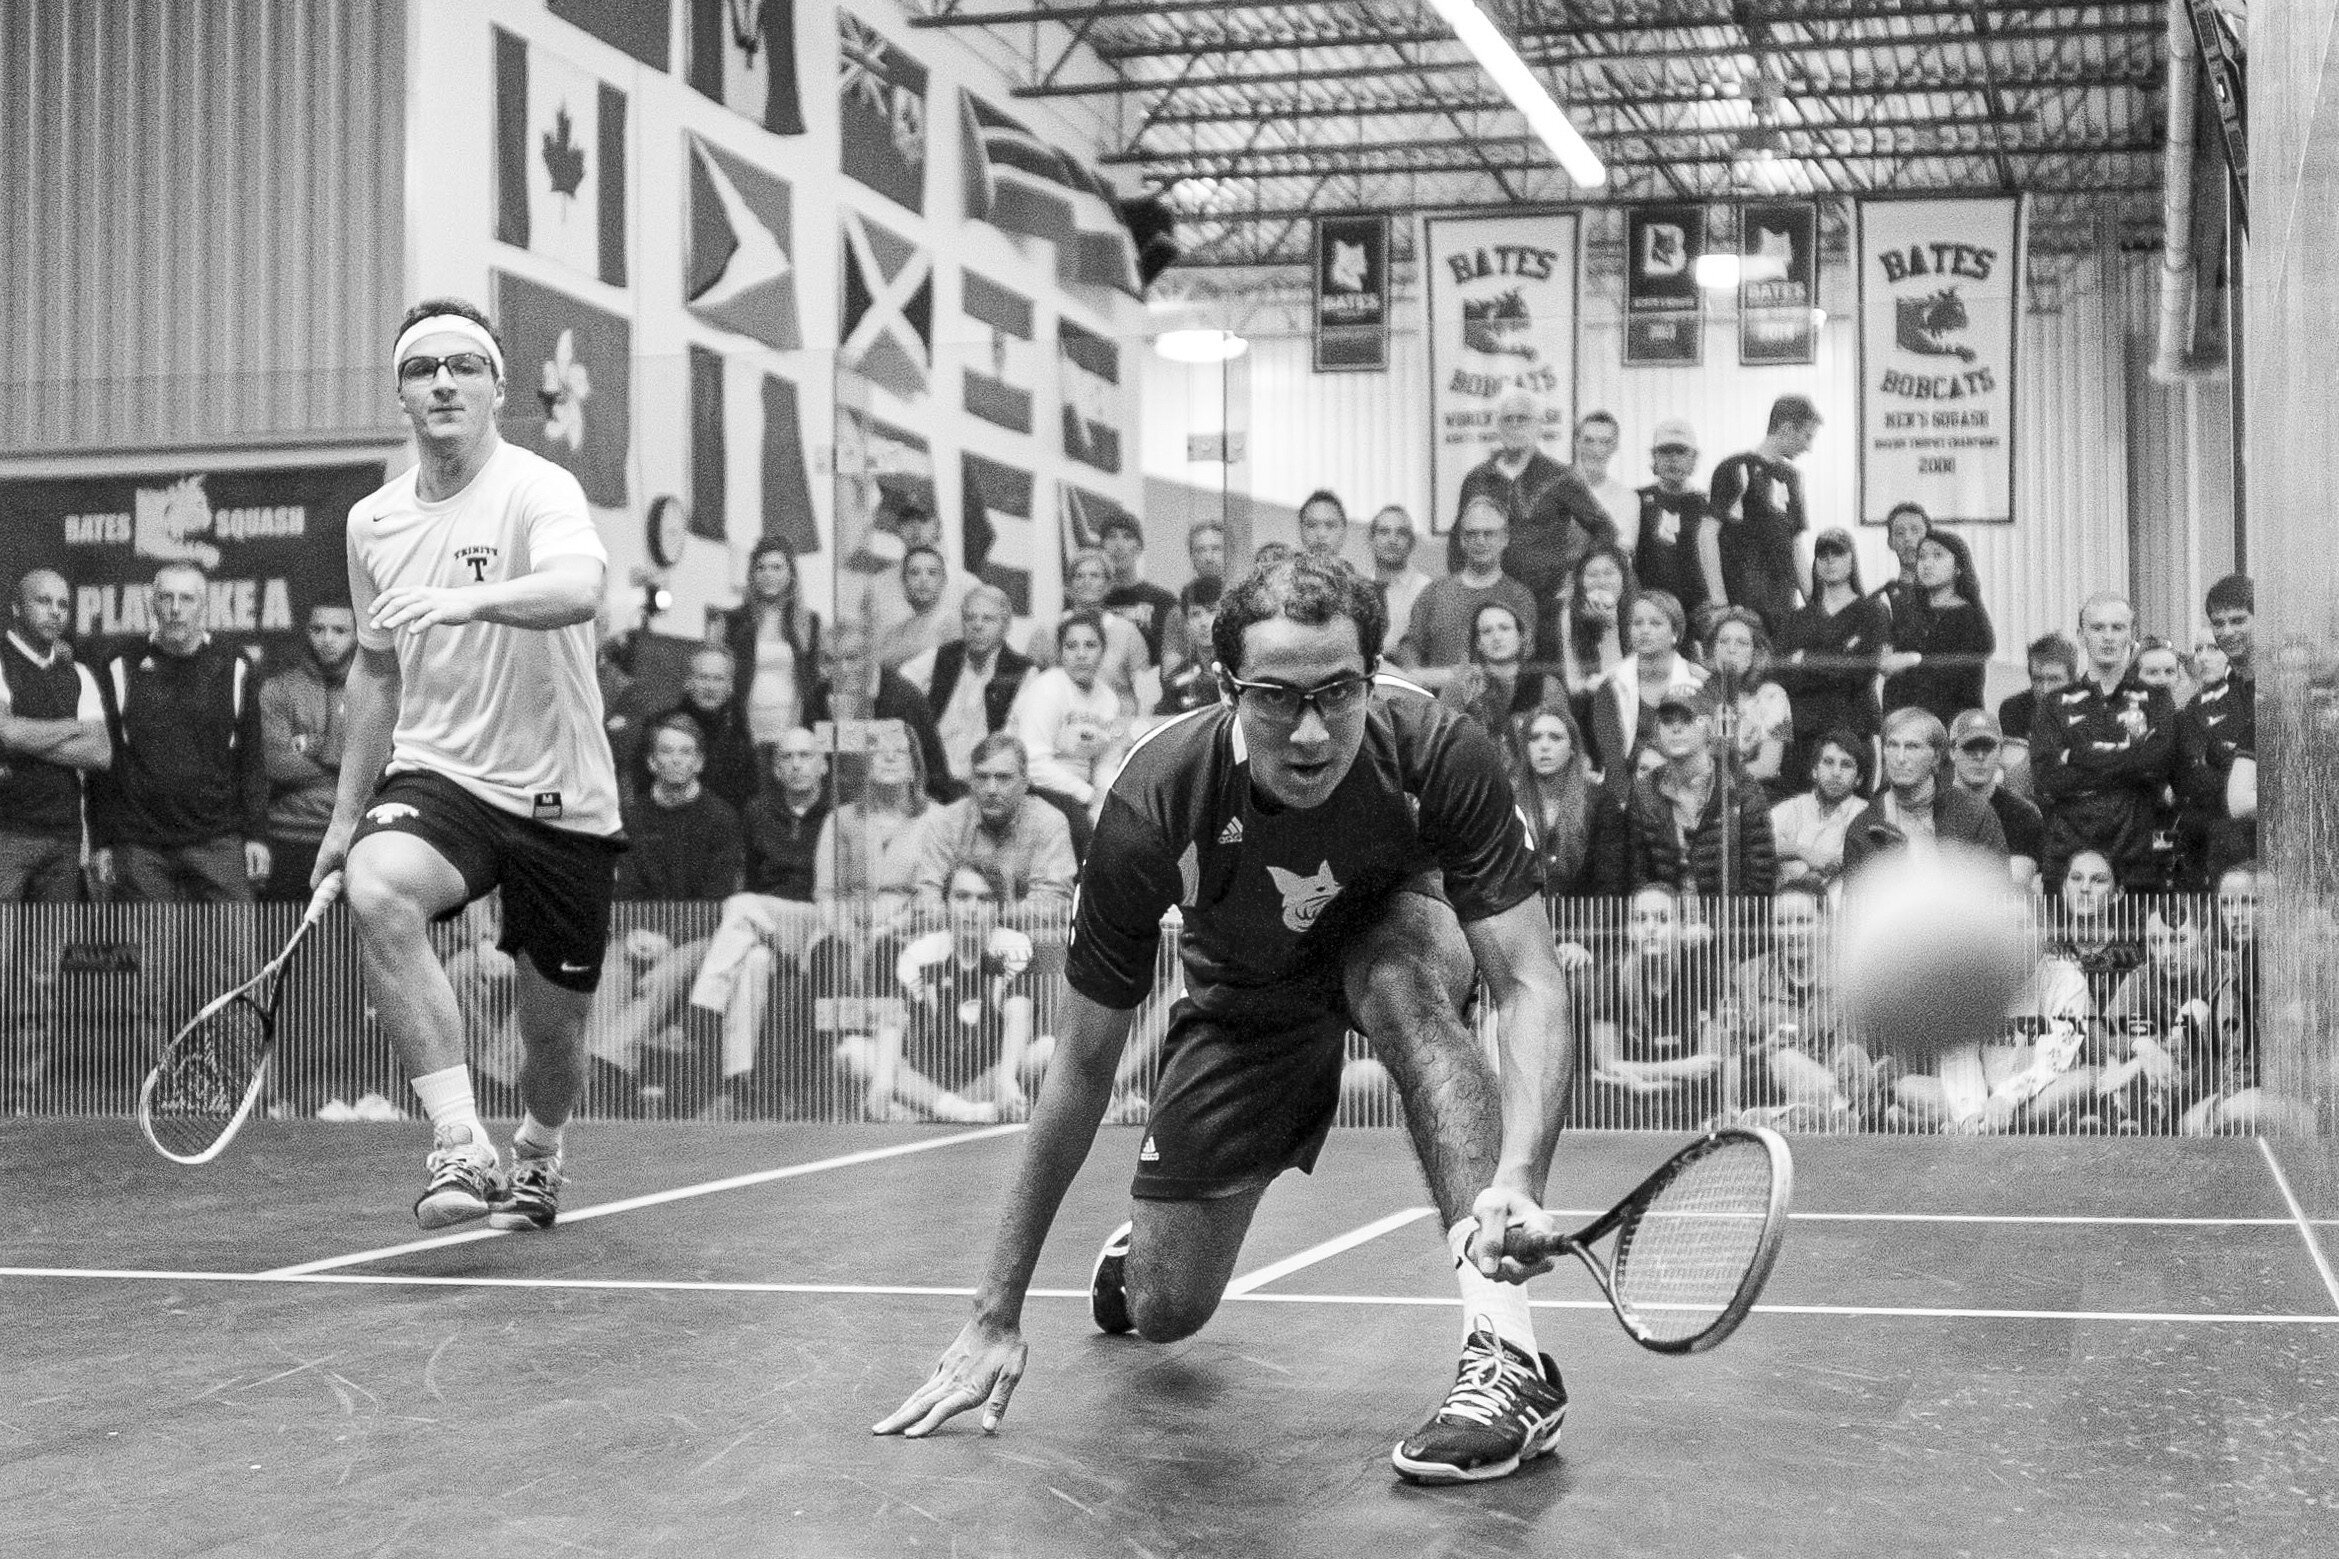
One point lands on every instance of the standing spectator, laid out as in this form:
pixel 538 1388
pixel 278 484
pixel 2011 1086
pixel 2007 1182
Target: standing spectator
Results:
pixel 1624 707
pixel 1206 552
pixel 684 840
pixel 1941 651
pixel 1087 580
pixel 1392 539
pixel 1758 499
pixel 781 825
pixel 1323 524
pixel 1974 745
pixel 1677 547
pixel 1808 829
pixel 2052 663
pixel 925 620
pixel 1597 437
pixel 1494 686
pixel 1689 825
pixel 970 682
pixel 52 730
pixel 887 604
pixel 1072 727
pixel 1000 826
pixel 1592 620
pixel 2216 732
pixel 183 812
pixel 2101 751
pixel 1916 810
pixel 727 757
pixel 1552 777
pixel 773 638
pixel 1832 645
pixel 1762 721
pixel 1656 1051
pixel 853 686
pixel 1438 637
pixel 1148 607
pixel 1195 683
pixel 1552 518
pixel 302 715
pixel 1906 525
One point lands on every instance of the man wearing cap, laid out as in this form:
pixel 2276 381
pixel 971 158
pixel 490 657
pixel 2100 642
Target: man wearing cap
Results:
pixel 1758 499
pixel 1917 811
pixel 1677 832
pixel 1975 742
pixel 1677 547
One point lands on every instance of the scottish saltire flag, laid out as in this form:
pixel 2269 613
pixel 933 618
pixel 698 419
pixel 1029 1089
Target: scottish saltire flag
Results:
pixel 568 387
pixel 881 113
pixel 885 328
pixel 1089 369
pixel 738 260
pixel 710 448
pixel 1000 376
pixel 1020 184
pixel 742 53
pixel 999 538
pixel 559 160
pixel 636 26
pixel 727 398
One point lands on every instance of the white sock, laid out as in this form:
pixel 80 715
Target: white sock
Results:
pixel 534 1139
pixel 446 1098
pixel 1486 1302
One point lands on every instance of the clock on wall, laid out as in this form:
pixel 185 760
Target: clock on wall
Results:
pixel 669 525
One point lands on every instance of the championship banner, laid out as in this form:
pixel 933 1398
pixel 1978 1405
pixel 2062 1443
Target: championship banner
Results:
pixel 1352 295
pixel 1778 283
pixel 1938 285
pixel 270 540
pixel 1664 308
pixel 1502 318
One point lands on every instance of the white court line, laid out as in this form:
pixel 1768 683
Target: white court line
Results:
pixel 653 1199
pixel 854 1290
pixel 2305 1231
pixel 1324 1252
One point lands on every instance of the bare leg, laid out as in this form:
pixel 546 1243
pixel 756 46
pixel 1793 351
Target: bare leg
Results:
pixel 1181 1258
pixel 397 885
pixel 552 1036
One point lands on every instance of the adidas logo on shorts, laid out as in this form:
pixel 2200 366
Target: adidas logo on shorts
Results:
pixel 1149 1154
pixel 1232 833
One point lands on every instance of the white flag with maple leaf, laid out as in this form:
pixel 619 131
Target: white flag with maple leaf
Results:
pixel 560 160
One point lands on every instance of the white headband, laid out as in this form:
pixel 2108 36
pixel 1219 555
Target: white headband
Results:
pixel 449 324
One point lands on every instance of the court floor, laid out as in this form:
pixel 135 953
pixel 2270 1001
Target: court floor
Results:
pixel 1984 1347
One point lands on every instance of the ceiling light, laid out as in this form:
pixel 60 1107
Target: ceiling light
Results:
pixel 1500 61
pixel 1200 346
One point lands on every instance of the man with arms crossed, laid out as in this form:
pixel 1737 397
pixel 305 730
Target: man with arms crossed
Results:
pixel 475 577
pixel 1344 855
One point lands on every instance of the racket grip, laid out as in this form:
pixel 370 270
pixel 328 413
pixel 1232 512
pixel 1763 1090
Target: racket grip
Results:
pixel 322 900
pixel 1526 1246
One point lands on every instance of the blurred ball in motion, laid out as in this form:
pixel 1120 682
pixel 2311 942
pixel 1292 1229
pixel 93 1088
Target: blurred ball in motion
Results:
pixel 1931 946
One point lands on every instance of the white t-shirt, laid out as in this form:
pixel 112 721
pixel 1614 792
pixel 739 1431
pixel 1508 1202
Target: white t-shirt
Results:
pixel 513 715
pixel 1623 506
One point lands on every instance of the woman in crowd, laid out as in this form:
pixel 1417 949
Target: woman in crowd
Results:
pixel 1941 653
pixel 1557 790
pixel 2157 1046
pixel 772 638
pixel 1831 646
pixel 1088 578
pixel 2234 1096
pixel 1807 829
pixel 2095 930
pixel 1738 652
pixel 1624 704
pixel 865 863
pixel 1072 724
pixel 1494 686
pixel 1592 620
pixel 1656 1050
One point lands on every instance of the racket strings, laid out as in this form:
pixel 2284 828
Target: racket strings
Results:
pixel 1681 1261
pixel 203 1077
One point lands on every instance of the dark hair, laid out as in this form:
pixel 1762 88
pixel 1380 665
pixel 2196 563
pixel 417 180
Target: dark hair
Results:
pixel 1754 627
pixel 1834 533
pixel 1853 746
pixel 686 725
pixel 2234 592
pixel 1507 610
pixel 996 743
pixel 1080 617
pixel 1201 592
pixel 2054 647
pixel 988 870
pixel 1583 635
pixel 1666 602
pixel 1967 583
pixel 455 306
pixel 1590 417
pixel 1792 411
pixel 1908 506
pixel 1126 523
pixel 1324 495
pixel 1307 589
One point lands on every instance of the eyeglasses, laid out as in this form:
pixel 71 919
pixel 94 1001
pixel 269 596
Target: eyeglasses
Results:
pixel 1282 702
pixel 463 365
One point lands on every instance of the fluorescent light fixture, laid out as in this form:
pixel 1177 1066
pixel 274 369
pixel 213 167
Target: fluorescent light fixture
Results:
pixel 1500 61
pixel 1200 346
pixel 1717 272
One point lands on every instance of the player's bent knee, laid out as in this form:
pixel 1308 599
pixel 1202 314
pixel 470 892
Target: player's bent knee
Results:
pixel 1170 1317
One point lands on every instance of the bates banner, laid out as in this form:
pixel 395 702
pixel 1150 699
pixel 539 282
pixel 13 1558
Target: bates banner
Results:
pixel 1352 295
pixel 1938 284
pixel 1778 283
pixel 1664 310
pixel 1501 294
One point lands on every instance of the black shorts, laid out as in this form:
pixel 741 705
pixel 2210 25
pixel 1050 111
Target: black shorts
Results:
pixel 1238 1104
pixel 557 884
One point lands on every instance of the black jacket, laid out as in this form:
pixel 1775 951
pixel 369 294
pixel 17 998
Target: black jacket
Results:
pixel 998 693
pixel 190 764
pixel 2100 762
pixel 1646 844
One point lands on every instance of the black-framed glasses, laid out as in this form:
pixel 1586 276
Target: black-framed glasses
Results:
pixel 463 365
pixel 1281 701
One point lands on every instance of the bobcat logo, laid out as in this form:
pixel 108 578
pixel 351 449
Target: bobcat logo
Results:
pixel 389 813
pixel 167 517
pixel 1304 898
pixel 1773 252
pixel 1920 323
pixel 1664 250
pixel 1348 267
pixel 1497 325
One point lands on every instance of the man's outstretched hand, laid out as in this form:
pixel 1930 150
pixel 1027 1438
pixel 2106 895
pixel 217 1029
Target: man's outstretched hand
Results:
pixel 981 1367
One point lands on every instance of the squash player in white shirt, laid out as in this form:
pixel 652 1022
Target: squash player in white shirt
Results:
pixel 476 759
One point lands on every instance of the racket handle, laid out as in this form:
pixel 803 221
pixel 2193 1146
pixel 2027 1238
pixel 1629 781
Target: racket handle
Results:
pixel 1526 1247
pixel 322 900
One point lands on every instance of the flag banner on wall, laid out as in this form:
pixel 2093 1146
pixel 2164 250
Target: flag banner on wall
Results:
pixel 568 385
pixel 999 384
pixel 886 314
pixel 881 113
pixel 1081 515
pixel 1938 293
pixel 710 491
pixel 559 160
pixel 1020 184
pixel 787 488
pixel 883 472
pixel 1352 294
pixel 271 540
pixel 738 250
pixel 1664 308
pixel 1502 317
pixel 1090 375
pixel 999 538
pixel 1778 283
pixel 742 54
pixel 638 29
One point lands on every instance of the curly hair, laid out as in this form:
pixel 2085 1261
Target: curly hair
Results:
pixel 1307 589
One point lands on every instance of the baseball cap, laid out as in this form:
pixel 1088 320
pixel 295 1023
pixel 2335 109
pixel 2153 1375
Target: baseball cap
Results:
pixel 1973 724
pixel 1701 702
pixel 1673 433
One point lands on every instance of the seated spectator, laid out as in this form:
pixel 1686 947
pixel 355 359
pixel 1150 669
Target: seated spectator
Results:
pixel 854 688
pixel 886 605
pixel 2236 1098
pixel 782 821
pixel 1738 653
pixel 1592 621
pixel 2158 1049
pixel 1494 686
pixel 2102 751
pixel 684 839
pixel 1677 547
pixel 957 1045
pixel 1655 1049
pixel 1087 578
pixel 774 640
pixel 1677 830
pixel 865 865
pixel 926 621
pixel 1552 777
pixel 1071 724
pixel 1917 809
pixel 1796 1061
pixel 1974 745
pixel 1000 826
pixel 1624 706
pixel 2028 1080
pixel 1195 683
pixel 1830 649
pixel 303 712
pixel 1941 648
pixel 1438 636
pixel 2053 664
pixel 2094 929
pixel 1147 607
pixel 1393 540
pixel 970 682
pixel 731 769
pixel 1808 828
pixel 1323 524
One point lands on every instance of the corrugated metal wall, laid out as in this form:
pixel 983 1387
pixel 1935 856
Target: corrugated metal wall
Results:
pixel 202 240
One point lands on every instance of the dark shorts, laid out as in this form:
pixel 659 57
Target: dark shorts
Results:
pixel 1238 1105
pixel 556 884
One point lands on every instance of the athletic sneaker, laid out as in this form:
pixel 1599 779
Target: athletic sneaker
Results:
pixel 531 1198
pixel 463 1180
pixel 1108 1292
pixel 1505 1409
